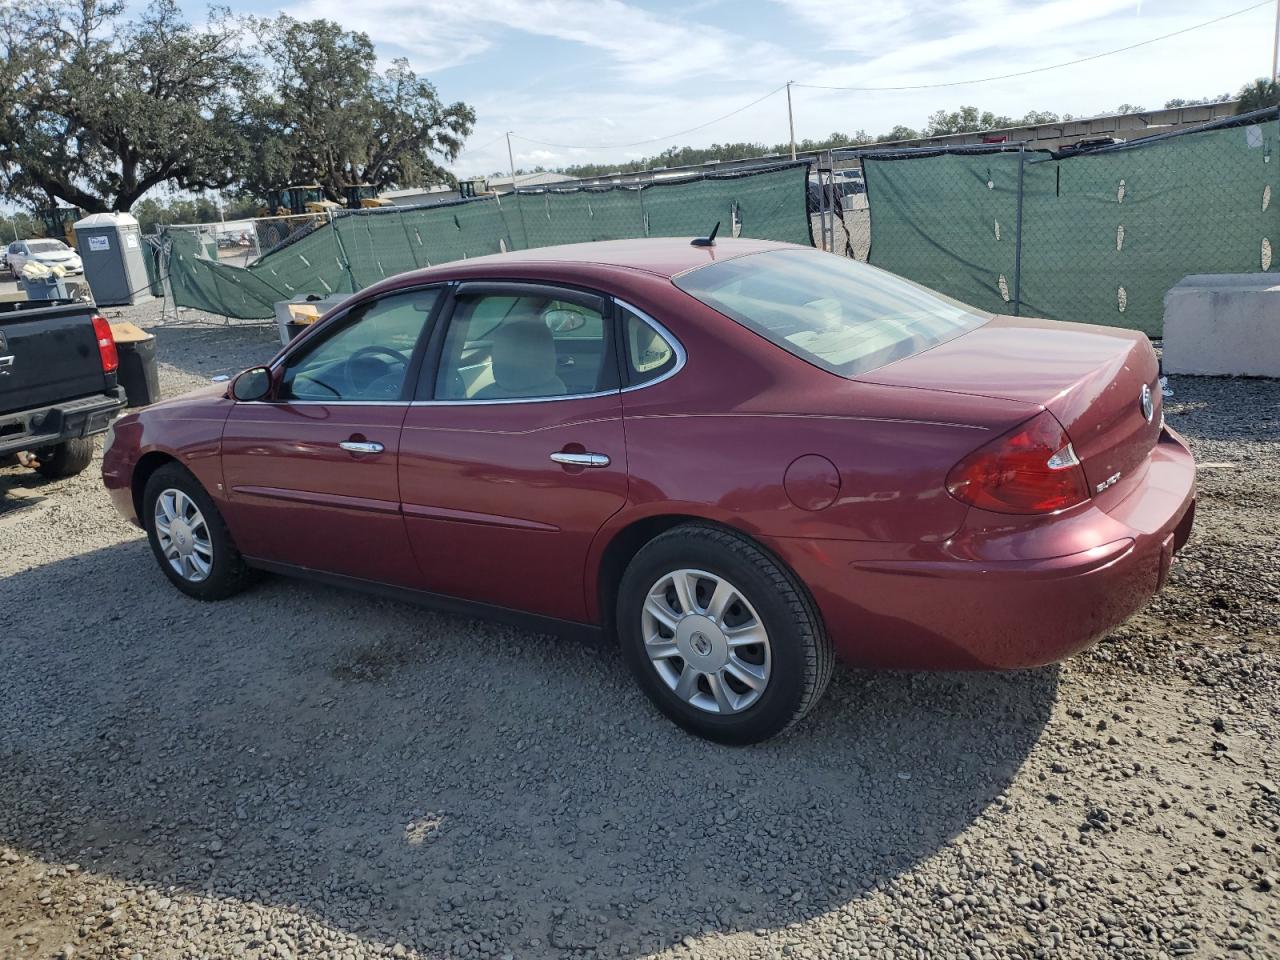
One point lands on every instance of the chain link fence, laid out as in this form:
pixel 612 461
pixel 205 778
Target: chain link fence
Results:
pixel 351 249
pixel 1095 235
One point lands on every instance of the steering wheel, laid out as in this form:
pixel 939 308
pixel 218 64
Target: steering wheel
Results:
pixel 365 385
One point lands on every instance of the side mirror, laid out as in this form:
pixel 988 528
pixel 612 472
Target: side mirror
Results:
pixel 252 384
pixel 564 321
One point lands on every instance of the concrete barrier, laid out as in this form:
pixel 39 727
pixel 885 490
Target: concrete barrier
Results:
pixel 1223 324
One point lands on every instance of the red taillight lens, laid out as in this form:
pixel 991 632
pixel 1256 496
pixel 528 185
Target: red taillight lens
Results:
pixel 1031 469
pixel 106 344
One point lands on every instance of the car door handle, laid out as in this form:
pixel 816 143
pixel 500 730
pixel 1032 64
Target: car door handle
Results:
pixel 581 459
pixel 361 446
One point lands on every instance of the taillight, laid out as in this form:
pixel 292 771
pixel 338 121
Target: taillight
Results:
pixel 1030 469
pixel 106 344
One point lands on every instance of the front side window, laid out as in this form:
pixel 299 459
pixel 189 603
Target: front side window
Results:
pixel 367 358
pixel 836 313
pixel 510 347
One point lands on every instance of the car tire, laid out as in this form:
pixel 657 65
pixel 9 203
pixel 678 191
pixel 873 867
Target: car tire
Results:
pixel 66 459
pixel 789 670
pixel 200 558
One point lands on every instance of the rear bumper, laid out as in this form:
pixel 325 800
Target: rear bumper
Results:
pixel 47 426
pixel 994 598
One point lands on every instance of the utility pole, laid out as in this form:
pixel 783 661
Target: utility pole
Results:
pixel 1275 46
pixel 512 160
pixel 791 120
pixel 524 229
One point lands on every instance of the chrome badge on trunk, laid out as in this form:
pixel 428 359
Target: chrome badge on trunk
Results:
pixel 1147 403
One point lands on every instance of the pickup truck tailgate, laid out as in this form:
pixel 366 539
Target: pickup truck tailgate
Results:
pixel 48 355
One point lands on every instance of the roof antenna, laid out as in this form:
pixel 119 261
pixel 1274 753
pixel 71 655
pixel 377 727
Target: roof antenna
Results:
pixel 707 241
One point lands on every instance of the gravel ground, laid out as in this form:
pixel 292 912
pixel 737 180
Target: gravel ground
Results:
pixel 304 772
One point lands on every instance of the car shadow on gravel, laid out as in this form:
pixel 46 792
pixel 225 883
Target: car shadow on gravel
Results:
pixel 20 488
pixel 489 791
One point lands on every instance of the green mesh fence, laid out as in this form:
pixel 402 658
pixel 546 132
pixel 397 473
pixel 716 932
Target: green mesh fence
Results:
pixel 1104 235
pixel 959 236
pixel 362 247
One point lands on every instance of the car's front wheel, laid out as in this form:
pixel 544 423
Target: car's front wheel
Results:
pixel 189 538
pixel 720 636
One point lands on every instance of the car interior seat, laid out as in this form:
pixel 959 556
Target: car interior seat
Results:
pixel 524 362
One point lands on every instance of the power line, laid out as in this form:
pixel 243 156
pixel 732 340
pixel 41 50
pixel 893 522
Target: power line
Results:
pixel 1056 66
pixel 466 150
pixel 919 86
pixel 669 136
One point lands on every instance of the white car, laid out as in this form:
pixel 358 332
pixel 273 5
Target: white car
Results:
pixel 51 253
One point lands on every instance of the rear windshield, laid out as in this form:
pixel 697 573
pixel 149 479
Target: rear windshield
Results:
pixel 838 314
pixel 46 246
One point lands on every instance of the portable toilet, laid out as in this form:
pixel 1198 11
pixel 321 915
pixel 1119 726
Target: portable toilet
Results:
pixel 110 246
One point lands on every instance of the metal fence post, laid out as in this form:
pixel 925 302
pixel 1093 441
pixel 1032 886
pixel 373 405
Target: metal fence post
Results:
pixel 1017 250
pixel 342 250
pixel 831 202
pixel 813 178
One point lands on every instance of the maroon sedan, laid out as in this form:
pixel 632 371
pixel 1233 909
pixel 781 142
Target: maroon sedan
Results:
pixel 740 459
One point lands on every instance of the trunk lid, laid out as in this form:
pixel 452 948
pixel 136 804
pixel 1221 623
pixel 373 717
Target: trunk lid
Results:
pixel 47 355
pixel 1091 378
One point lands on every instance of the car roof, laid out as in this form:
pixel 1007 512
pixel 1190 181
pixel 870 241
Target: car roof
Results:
pixel 663 256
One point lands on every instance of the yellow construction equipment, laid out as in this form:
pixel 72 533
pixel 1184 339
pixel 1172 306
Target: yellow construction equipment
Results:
pixel 362 196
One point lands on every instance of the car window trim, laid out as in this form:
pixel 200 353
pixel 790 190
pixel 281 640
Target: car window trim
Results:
pixel 670 338
pixel 426 384
pixel 334 324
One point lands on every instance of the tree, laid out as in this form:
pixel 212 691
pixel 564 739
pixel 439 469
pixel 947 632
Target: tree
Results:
pixel 98 111
pixel 964 120
pixel 899 133
pixel 1130 108
pixel 324 114
pixel 20 225
pixel 1261 93
pixel 1180 102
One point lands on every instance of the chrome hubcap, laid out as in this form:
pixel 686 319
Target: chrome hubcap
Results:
pixel 706 642
pixel 183 535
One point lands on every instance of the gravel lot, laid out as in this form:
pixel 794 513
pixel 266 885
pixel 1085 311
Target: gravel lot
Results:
pixel 303 772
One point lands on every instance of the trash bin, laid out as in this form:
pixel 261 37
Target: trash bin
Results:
pixel 45 288
pixel 138 373
pixel 295 327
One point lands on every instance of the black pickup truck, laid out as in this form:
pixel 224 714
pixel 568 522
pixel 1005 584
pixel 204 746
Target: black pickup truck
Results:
pixel 58 387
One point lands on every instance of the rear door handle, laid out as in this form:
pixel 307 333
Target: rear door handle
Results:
pixel 581 459
pixel 361 446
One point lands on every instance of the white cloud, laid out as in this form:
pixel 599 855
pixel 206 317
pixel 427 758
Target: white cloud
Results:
pixel 641 48
pixel 646 74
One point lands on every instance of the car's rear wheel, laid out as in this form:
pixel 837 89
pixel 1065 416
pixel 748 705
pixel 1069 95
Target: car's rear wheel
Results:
pixel 66 459
pixel 720 636
pixel 189 538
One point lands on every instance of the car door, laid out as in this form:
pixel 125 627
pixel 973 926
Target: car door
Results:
pixel 17 257
pixel 310 473
pixel 513 457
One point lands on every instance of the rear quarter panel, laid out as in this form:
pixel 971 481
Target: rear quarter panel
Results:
pixel 716 440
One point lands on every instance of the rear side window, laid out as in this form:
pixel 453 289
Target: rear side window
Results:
pixel 649 354
pixel 838 314
pixel 538 346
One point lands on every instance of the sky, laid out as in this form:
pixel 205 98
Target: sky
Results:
pixel 586 80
